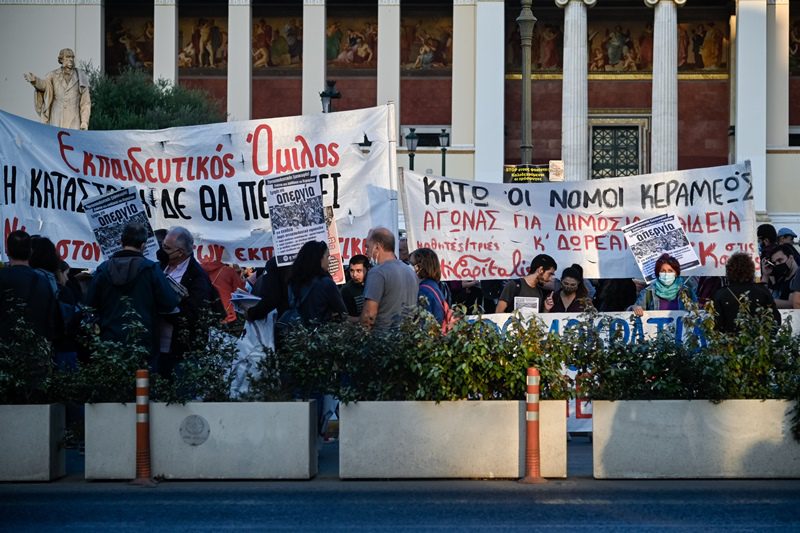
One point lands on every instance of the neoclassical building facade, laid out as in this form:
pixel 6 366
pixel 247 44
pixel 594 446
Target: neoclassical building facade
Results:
pixel 619 87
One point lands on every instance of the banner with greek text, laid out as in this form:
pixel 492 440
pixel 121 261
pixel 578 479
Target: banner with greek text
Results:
pixel 209 179
pixel 493 231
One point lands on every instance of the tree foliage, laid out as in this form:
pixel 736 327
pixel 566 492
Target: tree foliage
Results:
pixel 133 101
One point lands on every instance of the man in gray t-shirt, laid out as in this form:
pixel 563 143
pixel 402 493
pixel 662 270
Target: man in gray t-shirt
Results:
pixel 392 286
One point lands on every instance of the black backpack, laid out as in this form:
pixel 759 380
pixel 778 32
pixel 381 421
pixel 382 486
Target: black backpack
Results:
pixel 291 318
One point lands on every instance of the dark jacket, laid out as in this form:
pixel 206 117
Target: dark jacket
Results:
pixel 130 281
pixel 726 304
pixel 24 287
pixel 272 288
pixel 201 295
pixel 322 302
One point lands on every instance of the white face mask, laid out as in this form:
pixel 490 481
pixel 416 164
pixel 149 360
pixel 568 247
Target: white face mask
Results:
pixel 667 278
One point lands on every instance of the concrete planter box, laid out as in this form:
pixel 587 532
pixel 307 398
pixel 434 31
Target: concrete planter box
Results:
pixel 462 439
pixel 32 442
pixel 206 440
pixel 694 439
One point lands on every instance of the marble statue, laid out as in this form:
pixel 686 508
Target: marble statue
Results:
pixel 62 97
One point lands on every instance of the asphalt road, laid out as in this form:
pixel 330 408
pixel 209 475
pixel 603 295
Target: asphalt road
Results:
pixel 327 504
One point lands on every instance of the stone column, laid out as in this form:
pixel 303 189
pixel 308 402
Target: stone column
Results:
pixel 314 62
pixel 240 61
pixel 90 35
pixel 489 90
pixel 165 40
pixel 751 93
pixel 462 123
pixel 778 72
pixel 664 142
pixel 575 91
pixel 389 54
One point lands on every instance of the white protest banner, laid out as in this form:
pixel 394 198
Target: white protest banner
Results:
pixel 295 210
pixel 109 213
pixel 493 231
pixel 209 179
pixel 648 239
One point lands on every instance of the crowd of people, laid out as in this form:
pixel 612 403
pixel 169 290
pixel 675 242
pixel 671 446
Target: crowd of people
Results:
pixel 168 297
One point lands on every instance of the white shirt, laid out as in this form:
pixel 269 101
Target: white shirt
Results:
pixel 176 274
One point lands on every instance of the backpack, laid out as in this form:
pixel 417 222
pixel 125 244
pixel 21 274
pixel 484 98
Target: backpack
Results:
pixel 291 318
pixel 449 319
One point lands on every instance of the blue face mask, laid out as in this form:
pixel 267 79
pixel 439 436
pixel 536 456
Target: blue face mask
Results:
pixel 666 278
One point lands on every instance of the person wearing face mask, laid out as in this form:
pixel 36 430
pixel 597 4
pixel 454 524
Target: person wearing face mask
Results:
pixel 783 272
pixel 571 297
pixel 667 292
pixel 391 288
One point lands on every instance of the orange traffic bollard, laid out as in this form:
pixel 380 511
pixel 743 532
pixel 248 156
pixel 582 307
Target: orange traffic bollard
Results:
pixel 144 476
pixel 533 472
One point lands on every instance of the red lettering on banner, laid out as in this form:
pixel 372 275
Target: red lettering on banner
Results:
pixel 469 266
pixel 73 249
pixel 246 255
pixel 584 242
pixel 352 246
pixel 63 148
pixel 11 225
pixel 209 252
pixel 271 159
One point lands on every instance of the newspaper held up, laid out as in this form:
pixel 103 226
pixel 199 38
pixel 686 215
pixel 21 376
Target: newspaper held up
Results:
pixel 335 264
pixel 108 215
pixel 295 210
pixel 648 239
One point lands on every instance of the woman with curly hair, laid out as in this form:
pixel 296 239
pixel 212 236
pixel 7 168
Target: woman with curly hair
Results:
pixel 668 291
pixel 740 271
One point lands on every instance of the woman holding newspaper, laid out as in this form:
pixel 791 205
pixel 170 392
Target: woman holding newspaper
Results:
pixel 668 292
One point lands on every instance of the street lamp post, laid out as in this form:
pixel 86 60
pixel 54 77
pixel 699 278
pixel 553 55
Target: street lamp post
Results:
pixel 411 146
pixel 330 93
pixel 526 22
pixel 444 142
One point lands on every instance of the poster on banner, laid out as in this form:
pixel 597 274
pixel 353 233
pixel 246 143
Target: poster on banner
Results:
pixel 485 230
pixel 210 179
pixel 648 239
pixel 295 207
pixel 335 263
pixel 109 213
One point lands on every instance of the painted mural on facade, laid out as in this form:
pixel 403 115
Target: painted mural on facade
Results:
pixel 277 42
pixel 623 46
pixel 426 40
pixel 129 44
pixel 794 47
pixel 203 42
pixel 351 42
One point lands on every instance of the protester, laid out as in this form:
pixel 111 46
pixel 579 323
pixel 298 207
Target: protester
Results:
pixel 23 289
pixel 615 294
pixel 225 280
pixel 129 287
pixel 541 270
pixel 766 237
pixel 196 293
pixel 468 293
pixel 353 290
pixel 273 289
pixel 391 287
pixel 45 260
pixel 668 291
pixel 311 289
pixel 425 263
pixel 740 272
pixel 572 296
pixel 783 270
pixel 787 236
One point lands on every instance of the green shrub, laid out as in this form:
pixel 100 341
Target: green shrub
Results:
pixel 26 371
pixel 132 101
